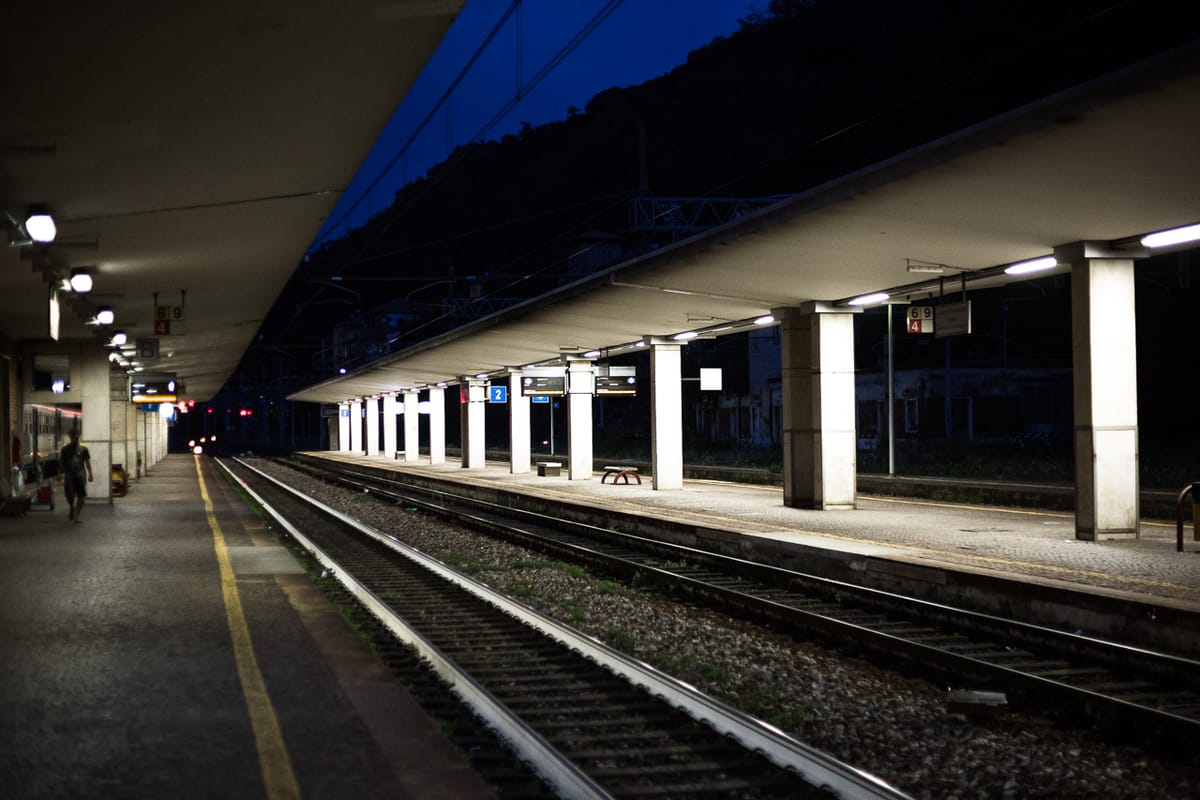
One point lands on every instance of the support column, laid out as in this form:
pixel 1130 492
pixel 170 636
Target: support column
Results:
pixel 345 411
pixel 472 399
pixel 356 426
pixel 134 466
pixel 390 412
pixel 1104 347
pixel 123 445
pixel 518 425
pixel 666 412
pixel 372 426
pixel 581 386
pixel 819 445
pixel 437 425
pixel 96 428
pixel 412 429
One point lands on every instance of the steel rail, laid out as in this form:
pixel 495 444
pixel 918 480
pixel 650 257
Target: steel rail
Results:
pixel 815 767
pixel 1111 708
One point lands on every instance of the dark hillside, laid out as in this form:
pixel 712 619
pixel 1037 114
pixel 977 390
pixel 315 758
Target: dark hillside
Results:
pixel 804 92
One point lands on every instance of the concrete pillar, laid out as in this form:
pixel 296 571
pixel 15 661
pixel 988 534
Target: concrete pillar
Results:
pixel 1104 348
pixel 372 447
pixel 356 426
pixel 472 402
pixel 124 441
pixel 345 411
pixel 437 425
pixel 391 410
pixel 819 443
pixel 162 437
pixel 518 425
pixel 666 412
pixel 581 386
pixel 412 429
pixel 134 466
pixel 96 429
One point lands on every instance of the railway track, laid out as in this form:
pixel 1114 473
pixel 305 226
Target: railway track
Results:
pixel 587 720
pixel 1126 690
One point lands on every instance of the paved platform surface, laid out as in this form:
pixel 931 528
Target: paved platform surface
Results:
pixel 119 677
pixel 1013 543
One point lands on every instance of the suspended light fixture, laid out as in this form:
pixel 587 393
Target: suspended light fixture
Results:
pixel 105 316
pixel 119 338
pixel 81 281
pixel 39 224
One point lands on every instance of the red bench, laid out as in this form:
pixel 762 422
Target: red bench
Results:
pixel 622 474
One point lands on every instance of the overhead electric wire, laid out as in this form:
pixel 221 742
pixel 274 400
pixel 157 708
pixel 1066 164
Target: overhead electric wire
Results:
pixel 427 119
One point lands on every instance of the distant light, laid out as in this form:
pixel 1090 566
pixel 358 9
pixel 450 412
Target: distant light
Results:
pixel 119 338
pixel 1036 265
pixel 40 225
pixel 1190 233
pixel 58 386
pixel 105 316
pixel 868 299
pixel 170 386
pixel 481 376
pixel 767 320
pixel 81 281
pixel 191 443
pixel 342 371
pixel 166 410
pixel 197 450
pixel 683 337
pixel 592 354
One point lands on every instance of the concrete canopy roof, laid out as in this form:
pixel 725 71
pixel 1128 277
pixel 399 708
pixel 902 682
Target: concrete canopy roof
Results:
pixel 1111 159
pixel 191 150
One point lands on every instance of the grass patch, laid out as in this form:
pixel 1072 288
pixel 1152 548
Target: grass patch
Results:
pixel 467 564
pixel 522 589
pixel 620 639
pixel 609 587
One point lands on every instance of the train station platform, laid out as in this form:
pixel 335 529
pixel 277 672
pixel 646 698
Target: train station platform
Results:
pixel 168 646
pixel 1020 562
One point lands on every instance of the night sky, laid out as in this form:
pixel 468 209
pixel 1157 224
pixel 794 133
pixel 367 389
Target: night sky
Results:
pixel 618 44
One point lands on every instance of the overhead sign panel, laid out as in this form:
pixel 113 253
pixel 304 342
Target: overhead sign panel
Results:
pixel 543 385
pixel 953 319
pixel 616 380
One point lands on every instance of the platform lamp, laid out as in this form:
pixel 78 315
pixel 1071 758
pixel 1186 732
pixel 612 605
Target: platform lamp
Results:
pixel 39 224
pixel 105 316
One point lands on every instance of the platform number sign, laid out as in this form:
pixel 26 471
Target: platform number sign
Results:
pixel 168 320
pixel 920 319
pixel 498 393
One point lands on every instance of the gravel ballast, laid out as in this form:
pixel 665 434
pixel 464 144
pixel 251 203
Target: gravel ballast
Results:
pixel 897 727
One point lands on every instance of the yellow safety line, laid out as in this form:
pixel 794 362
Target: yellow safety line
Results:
pixel 273 759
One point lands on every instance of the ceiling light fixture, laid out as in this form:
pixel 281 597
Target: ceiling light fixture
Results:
pixel 766 320
pixel 81 281
pixel 119 338
pixel 39 224
pixel 1035 265
pixel 868 299
pixel 1189 233
pixel 105 316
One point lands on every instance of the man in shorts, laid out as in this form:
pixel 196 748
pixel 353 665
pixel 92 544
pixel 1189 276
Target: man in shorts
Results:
pixel 77 473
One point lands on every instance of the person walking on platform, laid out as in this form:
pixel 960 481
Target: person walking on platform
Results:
pixel 77 473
